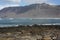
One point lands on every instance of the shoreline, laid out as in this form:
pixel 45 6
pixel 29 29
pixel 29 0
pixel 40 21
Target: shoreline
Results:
pixel 28 24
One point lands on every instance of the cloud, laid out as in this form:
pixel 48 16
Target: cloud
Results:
pixel 35 1
pixel 15 1
pixel 11 1
pixel 1 6
pixel 52 3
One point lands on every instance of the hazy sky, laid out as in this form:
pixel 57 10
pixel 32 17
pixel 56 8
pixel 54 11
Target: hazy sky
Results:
pixel 7 3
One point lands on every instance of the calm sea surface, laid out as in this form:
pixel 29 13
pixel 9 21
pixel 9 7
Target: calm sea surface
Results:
pixel 26 21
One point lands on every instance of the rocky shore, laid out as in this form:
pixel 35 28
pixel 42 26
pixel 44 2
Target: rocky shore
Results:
pixel 34 32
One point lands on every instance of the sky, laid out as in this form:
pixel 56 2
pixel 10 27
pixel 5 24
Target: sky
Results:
pixel 10 3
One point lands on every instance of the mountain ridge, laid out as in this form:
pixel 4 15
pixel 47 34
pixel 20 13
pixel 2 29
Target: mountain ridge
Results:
pixel 31 11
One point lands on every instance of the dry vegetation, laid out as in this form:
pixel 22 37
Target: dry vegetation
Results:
pixel 34 32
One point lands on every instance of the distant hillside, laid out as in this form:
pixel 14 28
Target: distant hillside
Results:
pixel 31 11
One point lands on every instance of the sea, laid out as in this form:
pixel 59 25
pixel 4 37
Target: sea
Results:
pixel 8 22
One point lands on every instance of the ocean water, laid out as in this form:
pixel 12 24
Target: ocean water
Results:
pixel 26 21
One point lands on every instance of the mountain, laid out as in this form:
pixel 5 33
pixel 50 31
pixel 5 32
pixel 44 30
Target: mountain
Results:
pixel 31 11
